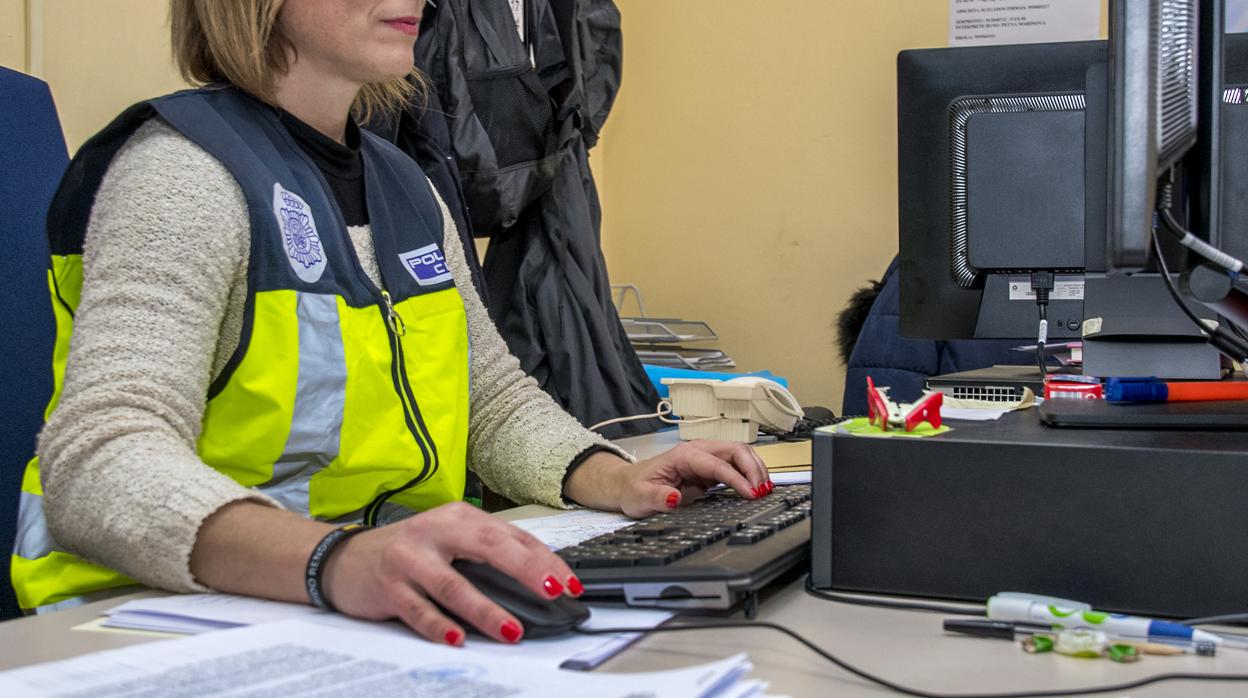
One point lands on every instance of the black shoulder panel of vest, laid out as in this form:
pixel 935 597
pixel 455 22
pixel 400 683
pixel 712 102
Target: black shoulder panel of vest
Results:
pixel 299 239
pixel 71 206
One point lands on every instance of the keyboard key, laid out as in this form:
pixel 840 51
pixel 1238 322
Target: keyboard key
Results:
pixel 605 561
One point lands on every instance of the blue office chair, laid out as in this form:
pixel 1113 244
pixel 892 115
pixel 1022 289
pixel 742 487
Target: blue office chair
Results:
pixel 32 159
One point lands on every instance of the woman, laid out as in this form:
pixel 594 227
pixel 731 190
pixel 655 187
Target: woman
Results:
pixel 247 243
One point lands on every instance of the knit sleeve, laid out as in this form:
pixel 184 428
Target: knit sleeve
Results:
pixel 519 441
pixel 166 241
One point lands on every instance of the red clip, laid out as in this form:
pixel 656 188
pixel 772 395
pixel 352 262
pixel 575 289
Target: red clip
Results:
pixel 877 405
pixel 927 410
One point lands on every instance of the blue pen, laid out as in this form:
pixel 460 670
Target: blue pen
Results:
pixel 1153 390
pixel 1063 614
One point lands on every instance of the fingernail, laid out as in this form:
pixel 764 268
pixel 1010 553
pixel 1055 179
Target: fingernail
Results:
pixel 453 637
pixel 672 500
pixel 552 586
pixel 754 492
pixel 771 486
pixel 575 586
pixel 510 631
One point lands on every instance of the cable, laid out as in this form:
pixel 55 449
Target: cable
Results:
pixel 1114 688
pixel 1190 241
pixel 1218 620
pixel 1041 283
pixel 979 610
pixel 1174 292
pixel 665 408
pixel 1042 336
pixel 1229 343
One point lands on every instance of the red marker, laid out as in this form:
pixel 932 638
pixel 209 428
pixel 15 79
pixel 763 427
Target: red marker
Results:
pixel 1152 390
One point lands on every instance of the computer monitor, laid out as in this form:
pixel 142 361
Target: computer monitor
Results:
pixel 1155 73
pixel 1227 214
pixel 1055 167
pixel 999 175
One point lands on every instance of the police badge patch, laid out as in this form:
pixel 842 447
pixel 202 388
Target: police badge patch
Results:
pixel 299 237
pixel 426 265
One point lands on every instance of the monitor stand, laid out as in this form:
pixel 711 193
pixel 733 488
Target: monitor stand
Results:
pixel 1132 328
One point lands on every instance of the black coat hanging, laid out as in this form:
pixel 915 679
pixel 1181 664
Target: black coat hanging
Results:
pixel 523 105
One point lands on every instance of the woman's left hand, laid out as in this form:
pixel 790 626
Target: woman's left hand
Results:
pixel 606 481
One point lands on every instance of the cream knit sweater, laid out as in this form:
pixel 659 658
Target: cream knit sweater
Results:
pixel 164 271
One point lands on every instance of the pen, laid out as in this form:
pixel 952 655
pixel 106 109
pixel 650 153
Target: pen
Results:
pixel 1000 629
pixel 1153 390
pixel 1012 631
pixel 1024 608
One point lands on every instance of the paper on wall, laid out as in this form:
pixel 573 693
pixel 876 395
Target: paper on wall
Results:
pixel 986 22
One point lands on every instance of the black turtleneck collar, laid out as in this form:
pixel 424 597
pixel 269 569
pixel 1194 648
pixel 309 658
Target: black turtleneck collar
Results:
pixel 341 164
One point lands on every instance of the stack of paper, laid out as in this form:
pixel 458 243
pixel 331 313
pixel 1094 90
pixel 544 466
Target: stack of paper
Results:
pixel 788 462
pixel 194 614
pixel 683 357
pixel 307 658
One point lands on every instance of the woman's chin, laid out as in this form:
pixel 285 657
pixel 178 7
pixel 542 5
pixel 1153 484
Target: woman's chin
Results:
pixel 389 72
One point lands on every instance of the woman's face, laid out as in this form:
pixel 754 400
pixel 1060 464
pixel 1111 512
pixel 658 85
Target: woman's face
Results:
pixel 360 40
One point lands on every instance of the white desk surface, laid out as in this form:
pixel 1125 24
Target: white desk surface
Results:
pixel 906 647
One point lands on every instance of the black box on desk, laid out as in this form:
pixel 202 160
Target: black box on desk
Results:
pixel 1140 522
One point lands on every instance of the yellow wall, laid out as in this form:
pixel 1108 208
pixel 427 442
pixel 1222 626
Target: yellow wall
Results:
pixel 753 168
pixel 13 34
pixel 99 56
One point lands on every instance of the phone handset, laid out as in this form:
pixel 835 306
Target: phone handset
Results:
pixel 733 410
pixel 777 406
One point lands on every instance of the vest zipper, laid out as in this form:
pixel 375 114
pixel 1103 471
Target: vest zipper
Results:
pixel 393 321
pixel 411 411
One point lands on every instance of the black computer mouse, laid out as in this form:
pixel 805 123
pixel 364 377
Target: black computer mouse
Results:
pixel 540 617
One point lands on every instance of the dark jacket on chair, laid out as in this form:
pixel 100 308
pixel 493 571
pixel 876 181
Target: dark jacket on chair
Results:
pixel 904 364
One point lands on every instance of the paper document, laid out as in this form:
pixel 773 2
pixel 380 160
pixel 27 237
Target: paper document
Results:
pixel 784 454
pixel 983 22
pixel 572 527
pixel 1236 16
pixel 792 477
pixel 306 658
pixel 568 651
pixel 971 414
pixel 193 614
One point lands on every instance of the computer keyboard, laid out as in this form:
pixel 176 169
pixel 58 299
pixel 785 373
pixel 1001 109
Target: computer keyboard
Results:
pixel 713 552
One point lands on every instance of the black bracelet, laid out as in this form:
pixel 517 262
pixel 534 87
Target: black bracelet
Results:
pixel 577 462
pixel 316 563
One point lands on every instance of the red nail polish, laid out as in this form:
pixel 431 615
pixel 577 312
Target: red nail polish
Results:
pixel 672 500
pixel 453 637
pixel 552 586
pixel 754 492
pixel 575 586
pixel 510 631
pixel 771 486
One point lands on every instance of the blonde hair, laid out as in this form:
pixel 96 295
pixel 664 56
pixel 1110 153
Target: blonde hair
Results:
pixel 237 41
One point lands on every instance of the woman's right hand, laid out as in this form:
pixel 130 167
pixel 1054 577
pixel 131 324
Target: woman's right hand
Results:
pixel 399 570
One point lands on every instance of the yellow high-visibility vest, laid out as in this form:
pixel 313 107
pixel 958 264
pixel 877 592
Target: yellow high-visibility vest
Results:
pixel 344 400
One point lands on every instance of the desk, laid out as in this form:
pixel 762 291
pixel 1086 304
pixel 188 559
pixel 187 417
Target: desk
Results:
pixel 904 646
